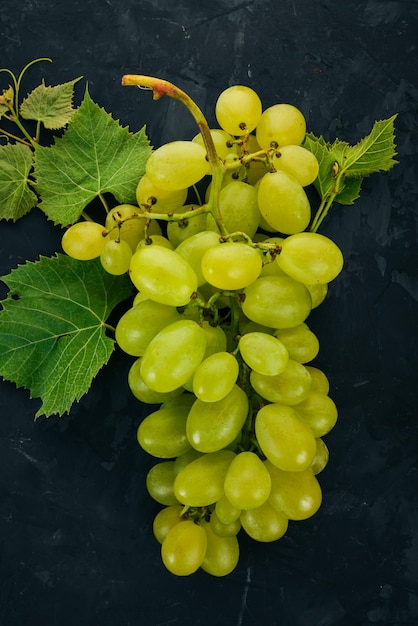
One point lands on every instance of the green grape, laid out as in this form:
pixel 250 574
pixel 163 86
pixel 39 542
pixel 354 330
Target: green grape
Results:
pixel 276 302
pixel 163 433
pixel 184 548
pixel 178 231
pixel 283 203
pixel 263 353
pixel 301 343
pixel 284 438
pixel 177 165
pixel 215 377
pixel 280 125
pixel 318 293
pixel 297 495
pixel 201 482
pixel 165 519
pixel 194 247
pixel 184 459
pixel 321 457
pixel 226 512
pixel 160 482
pixel 247 482
pixel 223 141
pixel 264 523
pixel 298 162
pixel 310 258
pixel 163 275
pixel 212 426
pixel 238 207
pixel 238 110
pixel 158 240
pixel 141 323
pixel 125 223
pixel 221 529
pixel 84 240
pixel 173 355
pixel 231 266
pixel 143 393
pixel 159 200
pixel 222 553
pixel 184 402
pixel 116 257
pixel 319 412
pixel 320 381
pixel 291 386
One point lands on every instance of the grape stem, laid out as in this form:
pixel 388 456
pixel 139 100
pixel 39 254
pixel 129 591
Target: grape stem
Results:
pixel 162 88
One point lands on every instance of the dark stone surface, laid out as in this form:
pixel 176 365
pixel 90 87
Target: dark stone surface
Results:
pixel 76 546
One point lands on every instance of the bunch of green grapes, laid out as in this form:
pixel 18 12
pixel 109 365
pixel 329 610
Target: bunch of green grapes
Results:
pixel 218 331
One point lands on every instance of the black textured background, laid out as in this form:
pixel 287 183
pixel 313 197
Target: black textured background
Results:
pixel 76 547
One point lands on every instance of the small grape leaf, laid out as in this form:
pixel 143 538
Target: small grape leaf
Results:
pixel 53 106
pixel 52 334
pixel 16 196
pixel 95 155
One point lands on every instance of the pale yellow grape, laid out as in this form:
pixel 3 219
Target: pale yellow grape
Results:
pixel 160 481
pixel 310 258
pixel 184 459
pixel 298 162
pixel 238 207
pixel 226 511
pixel 116 257
pixel 215 377
pixel 163 275
pixel 247 482
pixel 216 340
pixel 184 548
pixel 193 249
pixel 301 343
pixel 231 266
pixel 321 457
pixel 223 141
pixel 84 240
pixel 284 438
pixel 283 202
pixel 159 200
pixel 142 392
pixel 263 353
pixel 280 125
pixel 319 412
pixel 264 523
pixel 222 553
pixel 221 529
pixel 165 519
pixel 163 433
pixel 320 381
pixel 126 223
pixel 201 483
pixel 177 165
pixel 318 292
pixel 238 110
pixel 255 169
pixel 297 495
pixel 291 386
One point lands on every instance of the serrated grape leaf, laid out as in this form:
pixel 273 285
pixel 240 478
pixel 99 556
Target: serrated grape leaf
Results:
pixel 53 106
pixel 95 155
pixel 16 196
pixel 52 335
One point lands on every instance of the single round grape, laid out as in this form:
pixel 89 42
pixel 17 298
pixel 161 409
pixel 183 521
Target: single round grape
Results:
pixel 276 302
pixel 222 553
pixel 321 457
pixel 247 482
pixel 320 381
pixel 238 110
pixel 216 339
pixel 215 377
pixel 284 438
pixel 231 266
pixel 239 208
pixel 163 275
pixel 182 230
pixel 116 257
pixel 84 240
pixel 159 200
pixel 201 483
pixel 126 224
pixel 212 426
pixel 224 530
pixel 319 412
pixel 165 519
pixel 226 511
pixel 263 353
pixel 193 249
pixel 280 125
pixel 310 258
pixel 291 386
pixel 184 548
pixel 141 323
pixel 301 343
pixel 177 165
pixel 283 202
pixel 160 482
pixel 297 495
pixel 298 162
pixel 264 523
pixel 223 141
pixel 173 355
pixel 143 393
pixel 163 433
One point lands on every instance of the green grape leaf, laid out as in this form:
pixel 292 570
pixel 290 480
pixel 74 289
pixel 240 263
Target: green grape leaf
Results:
pixel 95 155
pixel 6 96
pixel 53 106
pixel 52 327
pixel 16 196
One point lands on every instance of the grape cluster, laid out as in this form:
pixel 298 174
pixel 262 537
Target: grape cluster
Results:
pixel 218 330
